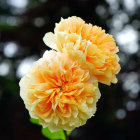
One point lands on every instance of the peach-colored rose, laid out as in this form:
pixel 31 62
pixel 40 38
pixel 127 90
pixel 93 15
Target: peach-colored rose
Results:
pixel 89 45
pixel 59 93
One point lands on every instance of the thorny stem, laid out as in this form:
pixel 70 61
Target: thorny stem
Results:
pixel 66 136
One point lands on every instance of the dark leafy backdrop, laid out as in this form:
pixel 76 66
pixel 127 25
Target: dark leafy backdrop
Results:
pixel 23 24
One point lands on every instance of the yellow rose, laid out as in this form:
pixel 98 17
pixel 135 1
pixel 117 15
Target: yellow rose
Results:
pixel 59 93
pixel 89 45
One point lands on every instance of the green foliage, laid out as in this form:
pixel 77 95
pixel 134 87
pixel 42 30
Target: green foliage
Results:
pixel 34 121
pixel 59 135
pixel 68 132
pixel 4 26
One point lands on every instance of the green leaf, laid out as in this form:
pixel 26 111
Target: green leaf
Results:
pixel 59 135
pixel 68 132
pixel 35 121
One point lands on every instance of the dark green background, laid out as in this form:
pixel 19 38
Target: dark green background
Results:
pixel 118 112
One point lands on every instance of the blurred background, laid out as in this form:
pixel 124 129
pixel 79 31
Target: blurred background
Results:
pixel 23 24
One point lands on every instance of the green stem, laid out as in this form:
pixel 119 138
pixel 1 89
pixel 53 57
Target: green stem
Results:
pixel 66 136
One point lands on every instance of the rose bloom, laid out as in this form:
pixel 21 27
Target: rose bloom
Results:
pixel 59 93
pixel 89 45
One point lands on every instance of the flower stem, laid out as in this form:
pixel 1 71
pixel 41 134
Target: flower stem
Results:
pixel 66 136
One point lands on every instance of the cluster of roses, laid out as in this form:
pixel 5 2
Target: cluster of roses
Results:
pixel 61 89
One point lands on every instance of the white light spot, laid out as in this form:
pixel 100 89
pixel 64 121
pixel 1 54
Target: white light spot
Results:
pixel 100 10
pixel 123 16
pixel 113 6
pixel 135 88
pixel 111 2
pixel 130 5
pixel 10 20
pixel 119 19
pixel 127 35
pixel 131 106
pixel 117 24
pixel 132 76
pixel 25 66
pixel 138 2
pixel 18 3
pixel 128 40
pixel 133 95
pixel 121 114
pixel 123 58
pixel 131 83
pixel 4 69
pixel 10 49
pixel 132 48
pixel 39 22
